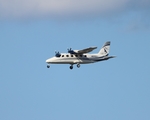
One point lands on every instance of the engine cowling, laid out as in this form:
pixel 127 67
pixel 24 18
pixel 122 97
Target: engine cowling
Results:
pixel 57 54
pixel 72 51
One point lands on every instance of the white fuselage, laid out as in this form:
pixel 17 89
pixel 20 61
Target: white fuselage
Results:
pixel 67 58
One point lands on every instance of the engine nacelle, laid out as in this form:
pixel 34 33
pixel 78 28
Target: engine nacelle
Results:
pixel 72 51
pixel 57 54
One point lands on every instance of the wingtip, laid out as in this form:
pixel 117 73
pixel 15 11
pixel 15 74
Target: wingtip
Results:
pixel 94 47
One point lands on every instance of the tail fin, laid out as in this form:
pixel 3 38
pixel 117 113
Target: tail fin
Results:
pixel 105 49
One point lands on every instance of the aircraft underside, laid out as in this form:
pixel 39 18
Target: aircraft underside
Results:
pixel 77 62
pixel 71 64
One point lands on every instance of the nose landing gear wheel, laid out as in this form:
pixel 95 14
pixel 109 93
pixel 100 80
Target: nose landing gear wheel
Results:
pixel 78 65
pixel 48 66
pixel 71 67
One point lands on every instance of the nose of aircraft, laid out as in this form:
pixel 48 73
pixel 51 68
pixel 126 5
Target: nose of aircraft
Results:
pixel 50 60
pixel 47 60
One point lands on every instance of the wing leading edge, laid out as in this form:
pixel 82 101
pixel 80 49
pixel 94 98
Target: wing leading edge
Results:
pixel 86 50
pixel 83 51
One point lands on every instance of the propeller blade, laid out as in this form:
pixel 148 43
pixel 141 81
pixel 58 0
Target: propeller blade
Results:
pixel 70 50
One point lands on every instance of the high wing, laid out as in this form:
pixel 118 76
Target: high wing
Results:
pixel 83 51
pixel 86 50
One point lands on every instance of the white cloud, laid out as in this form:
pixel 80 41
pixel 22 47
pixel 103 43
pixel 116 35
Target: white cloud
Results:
pixel 61 8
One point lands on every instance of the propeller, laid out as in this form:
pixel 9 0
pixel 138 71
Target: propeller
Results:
pixel 57 54
pixel 70 51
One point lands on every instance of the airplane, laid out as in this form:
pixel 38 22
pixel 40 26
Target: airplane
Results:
pixel 80 56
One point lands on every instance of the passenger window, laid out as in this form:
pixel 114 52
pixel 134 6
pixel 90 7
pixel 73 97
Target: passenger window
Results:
pixel 84 55
pixel 71 55
pixel 76 55
pixel 80 55
pixel 62 55
pixel 67 55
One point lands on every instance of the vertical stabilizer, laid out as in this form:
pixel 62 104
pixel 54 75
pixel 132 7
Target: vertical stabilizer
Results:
pixel 105 49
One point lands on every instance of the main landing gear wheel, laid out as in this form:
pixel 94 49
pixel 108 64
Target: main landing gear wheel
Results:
pixel 71 67
pixel 48 66
pixel 78 65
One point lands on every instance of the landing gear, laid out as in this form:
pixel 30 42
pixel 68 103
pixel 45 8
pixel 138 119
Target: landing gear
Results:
pixel 78 65
pixel 48 66
pixel 71 67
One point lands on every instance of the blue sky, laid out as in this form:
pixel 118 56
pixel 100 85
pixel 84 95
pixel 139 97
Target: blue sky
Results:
pixel 109 90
